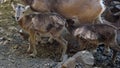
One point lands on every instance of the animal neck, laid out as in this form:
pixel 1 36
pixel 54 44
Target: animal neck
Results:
pixel 71 29
pixel 19 18
pixel 20 21
pixel 28 2
pixel 25 20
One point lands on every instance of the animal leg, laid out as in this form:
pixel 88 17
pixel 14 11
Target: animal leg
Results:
pixel 83 43
pixel 64 44
pixel 114 56
pixel 50 39
pixel 107 49
pixel 116 48
pixel 32 41
pixel 29 47
pixel 41 40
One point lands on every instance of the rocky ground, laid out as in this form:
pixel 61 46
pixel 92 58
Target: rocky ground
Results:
pixel 13 48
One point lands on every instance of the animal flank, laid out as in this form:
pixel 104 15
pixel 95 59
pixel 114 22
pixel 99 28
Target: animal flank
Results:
pixel 85 11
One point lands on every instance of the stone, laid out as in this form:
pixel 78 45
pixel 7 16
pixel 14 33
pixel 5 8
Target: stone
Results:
pixel 84 58
pixel 70 63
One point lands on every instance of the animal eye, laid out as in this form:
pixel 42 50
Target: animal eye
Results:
pixel 22 7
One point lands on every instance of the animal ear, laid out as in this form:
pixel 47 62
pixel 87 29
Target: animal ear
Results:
pixel 13 5
pixel 70 21
pixel 27 7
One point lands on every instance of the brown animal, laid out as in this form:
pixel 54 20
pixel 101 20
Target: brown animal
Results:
pixel 95 34
pixel 49 24
pixel 85 11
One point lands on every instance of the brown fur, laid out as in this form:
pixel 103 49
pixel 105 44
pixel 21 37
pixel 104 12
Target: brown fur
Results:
pixel 95 34
pixel 84 10
pixel 51 25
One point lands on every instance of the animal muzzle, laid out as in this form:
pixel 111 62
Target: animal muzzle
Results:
pixel 17 18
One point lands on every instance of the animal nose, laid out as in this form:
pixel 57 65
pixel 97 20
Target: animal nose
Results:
pixel 17 18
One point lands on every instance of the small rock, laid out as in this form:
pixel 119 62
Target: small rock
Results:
pixel 5 42
pixel 1 29
pixel 118 6
pixel 116 2
pixel 0 13
pixel 1 43
pixel 12 28
pixel 11 58
pixel 2 38
pixel 15 47
pixel 70 63
pixel 9 39
pixel 2 57
pixel 96 67
pixel 85 57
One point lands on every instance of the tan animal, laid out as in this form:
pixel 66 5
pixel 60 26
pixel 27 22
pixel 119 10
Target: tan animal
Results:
pixel 49 24
pixel 91 35
pixel 85 11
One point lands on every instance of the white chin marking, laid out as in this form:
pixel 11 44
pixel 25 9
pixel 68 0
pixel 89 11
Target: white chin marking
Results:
pixel 21 31
pixel 103 6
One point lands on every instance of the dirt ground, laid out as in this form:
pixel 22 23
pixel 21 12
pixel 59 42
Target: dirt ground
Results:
pixel 13 52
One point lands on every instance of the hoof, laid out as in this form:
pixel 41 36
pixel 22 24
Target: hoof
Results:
pixel 43 42
pixel 50 41
pixel 29 51
pixel 32 55
pixel 106 53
